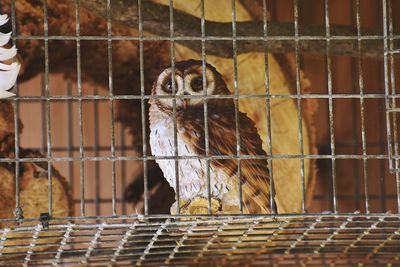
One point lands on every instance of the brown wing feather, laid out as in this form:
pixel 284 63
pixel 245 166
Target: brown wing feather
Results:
pixel 222 141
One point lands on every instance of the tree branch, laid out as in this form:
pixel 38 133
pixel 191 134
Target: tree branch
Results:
pixel 280 34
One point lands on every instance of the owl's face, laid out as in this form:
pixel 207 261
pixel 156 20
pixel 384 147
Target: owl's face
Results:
pixel 189 88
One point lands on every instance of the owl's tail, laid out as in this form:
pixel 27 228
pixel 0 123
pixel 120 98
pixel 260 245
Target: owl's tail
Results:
pixel 254 201
pixel 256 188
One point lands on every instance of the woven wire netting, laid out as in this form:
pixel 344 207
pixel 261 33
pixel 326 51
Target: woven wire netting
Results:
pixel 258 240
pixel 353 218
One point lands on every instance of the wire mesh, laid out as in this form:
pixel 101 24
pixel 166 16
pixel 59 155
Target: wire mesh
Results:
pixel 151 241
pixel 352 220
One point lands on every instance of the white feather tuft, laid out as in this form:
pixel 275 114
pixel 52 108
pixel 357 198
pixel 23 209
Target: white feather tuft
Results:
pixel 8 76
pixel 7 53
pixel 8 72
pixel 4 38
pixel 3 19
pixel 5 94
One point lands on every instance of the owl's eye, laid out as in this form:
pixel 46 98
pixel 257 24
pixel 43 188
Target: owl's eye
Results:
pixel 168 86
pixel 197 84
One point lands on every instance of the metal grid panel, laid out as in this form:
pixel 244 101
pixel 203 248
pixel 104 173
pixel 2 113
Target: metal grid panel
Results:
pixel 256 240
pixel 317 239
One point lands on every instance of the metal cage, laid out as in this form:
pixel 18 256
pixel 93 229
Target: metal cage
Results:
pixel 353 219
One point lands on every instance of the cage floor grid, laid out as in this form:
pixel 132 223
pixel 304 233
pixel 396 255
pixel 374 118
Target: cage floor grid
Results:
pixel 250 240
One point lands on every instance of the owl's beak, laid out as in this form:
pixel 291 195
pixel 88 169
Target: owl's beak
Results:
pixel 185 103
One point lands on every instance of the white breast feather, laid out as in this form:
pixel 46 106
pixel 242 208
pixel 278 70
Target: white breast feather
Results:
pixel 192 172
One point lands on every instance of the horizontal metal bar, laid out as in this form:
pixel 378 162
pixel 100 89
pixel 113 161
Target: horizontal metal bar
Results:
pixel 241 96
pixel 241 157
pixel 215 218
pixel 199 38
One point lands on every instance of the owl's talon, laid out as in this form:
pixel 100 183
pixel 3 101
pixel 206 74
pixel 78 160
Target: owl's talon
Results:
pixel 198 205
pixel 182 206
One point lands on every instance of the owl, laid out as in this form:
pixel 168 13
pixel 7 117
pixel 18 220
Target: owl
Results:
pixel 223 174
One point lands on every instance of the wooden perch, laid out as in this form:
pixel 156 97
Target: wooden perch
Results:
pixel 156 17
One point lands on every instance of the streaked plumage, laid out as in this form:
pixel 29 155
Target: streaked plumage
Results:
pixel 190 138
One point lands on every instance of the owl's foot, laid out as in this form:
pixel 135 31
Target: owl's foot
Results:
pixel 174 207
pixel 199 205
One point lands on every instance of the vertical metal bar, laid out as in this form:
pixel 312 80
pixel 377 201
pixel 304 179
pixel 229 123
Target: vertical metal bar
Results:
pixel 381 245
pixel 180 243
pixel 236 102
pixel 330 105
pixel 123 168
pixel 299 109
pixel 80 114
pixel 111 98
pixel 330 237
pixel 143 111
pixel 70 127
pixel 243 236
pixel 3 238
pixel 382 177
pixel 43 147
pixel 211 240
pixel 93 243
pixel 124 239
pixel 300 237
pixel 363 130
pixel 96 153
pixel 268 110
pixel 205 103
pixel 154 239
pixel 30 251
pixel 18 213
pixel 363 235
pixel 48 119
pixel 265 248
pixel 394 114
pixel 387 99
pixel 386 80
pixel 355 143
pixel 63 244
pixel 172 33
